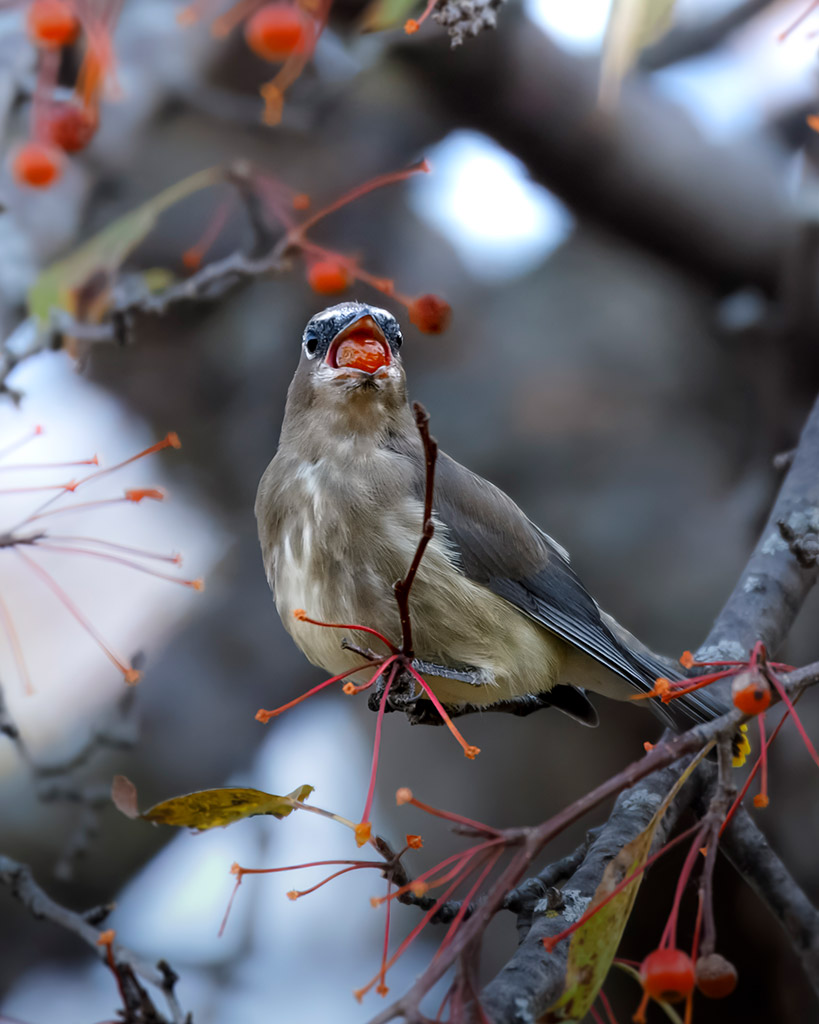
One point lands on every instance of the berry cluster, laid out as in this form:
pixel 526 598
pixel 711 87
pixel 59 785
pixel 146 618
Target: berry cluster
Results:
pixel 65 126
pixel 283 32
pixel 328 272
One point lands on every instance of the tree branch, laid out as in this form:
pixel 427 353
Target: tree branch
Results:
pixel 534 979
pixel 763 605
pixel 630 169
pixel 534 840
pixel 750 853
pixel 776 579
pixel 19 879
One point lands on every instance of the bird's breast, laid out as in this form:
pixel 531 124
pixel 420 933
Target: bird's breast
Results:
pixel 342 542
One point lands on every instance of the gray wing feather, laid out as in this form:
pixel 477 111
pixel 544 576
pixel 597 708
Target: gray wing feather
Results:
pixel 501 548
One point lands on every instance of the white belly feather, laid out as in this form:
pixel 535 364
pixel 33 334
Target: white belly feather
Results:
pixel 320 567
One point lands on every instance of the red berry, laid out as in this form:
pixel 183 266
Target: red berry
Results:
pixel 277 30
pixel 751 692
pixel 667 975
pixel 52 24
pixel 36 164
pixel 328 277
pixel 72 127
pixel 716 976
pixel 362 351
pixel 430 314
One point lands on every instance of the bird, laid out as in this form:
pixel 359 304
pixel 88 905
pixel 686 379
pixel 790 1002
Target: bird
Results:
pixel 500 620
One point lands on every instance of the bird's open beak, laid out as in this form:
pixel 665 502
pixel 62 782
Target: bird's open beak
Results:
pixel 361 346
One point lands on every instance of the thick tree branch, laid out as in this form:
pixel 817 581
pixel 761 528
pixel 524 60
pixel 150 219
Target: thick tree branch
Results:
pixel 534 979
pixel 534 840
pixel 750 853
pixel 629 169
pixel 763 605
pixel 777 577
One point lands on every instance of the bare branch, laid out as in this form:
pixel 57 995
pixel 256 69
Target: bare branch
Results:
pixel 534 979
pixel 750 853
pixel 777 577
pixel 535 839
pixel 19 879
pixel 630 170
pixel 132 297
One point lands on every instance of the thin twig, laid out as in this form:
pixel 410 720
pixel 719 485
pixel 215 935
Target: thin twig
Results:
pixel 403 587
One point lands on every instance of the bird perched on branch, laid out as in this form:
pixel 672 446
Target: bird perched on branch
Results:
pixel 499 618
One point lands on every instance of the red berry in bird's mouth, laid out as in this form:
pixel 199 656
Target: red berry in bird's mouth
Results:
pixel 360 350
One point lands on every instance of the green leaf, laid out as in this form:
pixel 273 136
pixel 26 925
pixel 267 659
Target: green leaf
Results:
pixel 80 282
pixel 385 14
pixel 632 25
pixel 594 944
pixel 208 808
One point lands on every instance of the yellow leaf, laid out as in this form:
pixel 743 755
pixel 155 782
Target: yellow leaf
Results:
pixel 594 943
pixel 384 14
pixel 208 808
pixel 80 282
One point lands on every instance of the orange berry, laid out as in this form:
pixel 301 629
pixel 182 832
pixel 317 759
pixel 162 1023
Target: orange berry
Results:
pixel 411 26
pixel 328 277
pixel 276 31
pixel 716 976
pixel 361 352
pixel 52 24
pixel 751 692
pixel 72 127
pixel 667 975
pixel 36 164
pixel 430 314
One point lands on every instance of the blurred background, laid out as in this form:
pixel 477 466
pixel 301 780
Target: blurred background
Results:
pixel 633 341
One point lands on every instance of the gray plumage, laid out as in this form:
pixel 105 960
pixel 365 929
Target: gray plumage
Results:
pixel 340 511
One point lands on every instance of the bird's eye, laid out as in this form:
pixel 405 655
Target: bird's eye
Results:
pixel 310 347
pixel 398 341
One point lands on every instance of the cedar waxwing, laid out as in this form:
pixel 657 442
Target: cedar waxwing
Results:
pixel 498 615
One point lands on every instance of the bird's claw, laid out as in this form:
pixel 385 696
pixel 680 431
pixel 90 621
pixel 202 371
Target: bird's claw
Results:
pixel 402 696
pixel 463 674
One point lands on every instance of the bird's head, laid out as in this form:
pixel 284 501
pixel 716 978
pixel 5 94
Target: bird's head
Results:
pixel 350 366
pixel 352 346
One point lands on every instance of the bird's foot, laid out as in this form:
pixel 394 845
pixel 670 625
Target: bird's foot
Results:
pixel 403 693
pixel 462 674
